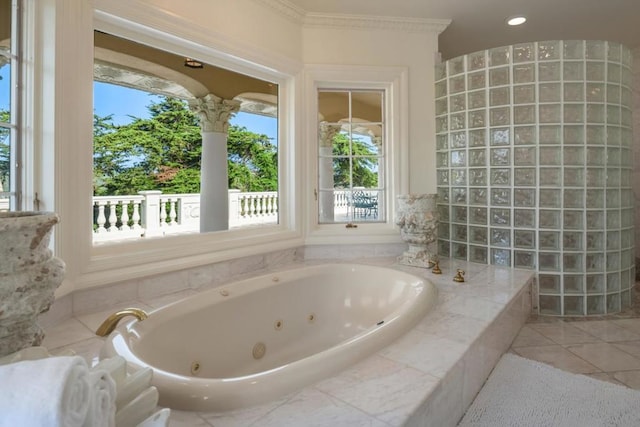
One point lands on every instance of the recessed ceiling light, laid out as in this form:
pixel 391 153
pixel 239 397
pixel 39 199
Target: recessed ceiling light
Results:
pixel 516 20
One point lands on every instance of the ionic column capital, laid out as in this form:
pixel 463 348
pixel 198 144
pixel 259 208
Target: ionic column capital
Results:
pixel 327 133
pixel 214 112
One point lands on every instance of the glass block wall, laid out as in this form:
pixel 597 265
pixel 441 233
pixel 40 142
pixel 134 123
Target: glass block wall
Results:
pixel 534 168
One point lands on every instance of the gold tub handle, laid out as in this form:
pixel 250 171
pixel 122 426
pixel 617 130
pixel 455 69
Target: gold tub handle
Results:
pixel 112 321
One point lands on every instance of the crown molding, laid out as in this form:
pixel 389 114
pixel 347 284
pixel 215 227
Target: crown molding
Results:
pixel 366 22
pixel 285 8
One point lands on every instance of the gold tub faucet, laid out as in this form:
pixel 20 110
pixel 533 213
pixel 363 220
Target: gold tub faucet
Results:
pixel 112 321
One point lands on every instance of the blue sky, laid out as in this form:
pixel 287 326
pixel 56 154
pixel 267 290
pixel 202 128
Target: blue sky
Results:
pixel 123 103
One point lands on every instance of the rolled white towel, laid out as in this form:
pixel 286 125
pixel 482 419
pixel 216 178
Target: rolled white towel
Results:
pixel 102 404
pixel 52 392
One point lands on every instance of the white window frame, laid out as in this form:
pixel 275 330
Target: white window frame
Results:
pixel 394 82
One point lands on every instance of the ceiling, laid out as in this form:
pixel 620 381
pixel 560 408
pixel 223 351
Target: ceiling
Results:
pixel 480 24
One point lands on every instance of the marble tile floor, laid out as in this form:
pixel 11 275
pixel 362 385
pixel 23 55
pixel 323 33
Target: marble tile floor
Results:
pixel 606 347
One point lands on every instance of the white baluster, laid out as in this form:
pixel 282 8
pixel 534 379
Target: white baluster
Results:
pixel 275 205
pixel 172 212
pixel 136 216
pixel 113 218
pixel 262 205
pixel 244 207
pixel 101 220
pixel 254 206
pixel 163 213
pixel 124 218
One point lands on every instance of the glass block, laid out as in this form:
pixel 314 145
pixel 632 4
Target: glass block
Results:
pixel 550 198
pixel 573 71
pixel 549 156
pixel 457 121
pixel 524 135
pixel 613 135
pixel 613 282
pixel 444 248
pixel 573 156
pixel 499 136
pixel 441 106
pixel 477 99
pixel 613 303
pixel 478 215
pixel 478 235
pixel 573 284
pixel 499 116
pixel 595 304
pixel 443 177
pixel 459 195
pixel 499 76
pixel 478 254
pixel 594 262
pixel 595 92
pixel 550 134
pixel 525 177
pixel 524 197
pixel 500 196
pixel 477 177
pixel 476 61
pixel 595 71
pixel 573 49
pixel 573 92
pixel 613 114
pixel 626 97
pixel 501 217
pixel 499 56
pixel 573 177
pixel 549 92
pixel 595 156
pixel 613 240
pixel 595 220
pixel 548 50
pixel 549 71
pixel 524 259
pixel 477 118
pixel 499 96
pixel 524 114
pixel 459 214
pixel 458 140
pixel 500 157
pixel 573 134
pixel 549 283
pixel 456 84
pixel 456 65
pixel 573 306
pixel 525 218
pixel 443 212
pixel 550 113
pixel 524 94
pixel 573 199
pixel 595 177
pixel 441 89
pixel 550 176
pixel 443 194
pixel 613 51
pixel 572 241
pixel 524 73
pixel 572 262
pixel 459 232
pixel 573 113
pixel 595 283
pixel 524 239
pixel 442 160
pixel 595 49
pixel 595 113
pixel 548 261
pixel 613 261
pixel 523 52
pixel 458 103
pixel 476 80
pixel 477 157
pixel 478 196
pixel 442 142
pixel 477 138
pixel 613 159
pixel 501 257
pixel 458 158
pixel 548 219
pixel 549 240
pixel 459 251
pixel 524 156
pixel 572 220
pixel 614 73
pixel 442 124
pixel 612 198
pixel 441 71
pixel 500 176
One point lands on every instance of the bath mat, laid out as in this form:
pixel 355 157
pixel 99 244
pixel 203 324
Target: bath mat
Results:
pixel 521 392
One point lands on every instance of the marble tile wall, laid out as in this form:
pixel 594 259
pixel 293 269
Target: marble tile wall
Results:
pixel 636 144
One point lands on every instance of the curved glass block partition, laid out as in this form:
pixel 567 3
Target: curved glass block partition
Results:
pixel 534 168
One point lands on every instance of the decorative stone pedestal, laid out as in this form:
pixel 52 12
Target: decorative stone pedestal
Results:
pixel 29 276
pixel 417 217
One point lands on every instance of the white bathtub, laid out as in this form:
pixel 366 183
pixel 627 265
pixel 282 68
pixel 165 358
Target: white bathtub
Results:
pixel 256 340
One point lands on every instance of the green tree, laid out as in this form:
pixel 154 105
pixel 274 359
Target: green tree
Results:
pixel 356 162
pixel 5 151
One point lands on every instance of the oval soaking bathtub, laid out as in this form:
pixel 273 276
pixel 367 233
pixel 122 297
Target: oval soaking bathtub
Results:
pixel 255 340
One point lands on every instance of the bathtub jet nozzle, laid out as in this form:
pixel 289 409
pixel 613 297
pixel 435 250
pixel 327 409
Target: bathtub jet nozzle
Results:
pixel 112 321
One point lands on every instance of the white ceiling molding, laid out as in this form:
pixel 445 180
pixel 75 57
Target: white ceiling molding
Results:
pixel 285 8
pixel 363 22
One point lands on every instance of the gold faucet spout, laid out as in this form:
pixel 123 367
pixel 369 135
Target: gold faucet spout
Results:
pixel 112 321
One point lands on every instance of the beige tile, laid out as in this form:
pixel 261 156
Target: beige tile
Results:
pixel 559 357
pixel 631 347
pixel 563 333
pixel 88 349
pixel 186 419
pixel 629 378
pixel 604 376
pixel 605 357
pixel 163 300
pixel 606 330
pixel 631 324
pixel 528 337
pixel 68 332
pixel 94 320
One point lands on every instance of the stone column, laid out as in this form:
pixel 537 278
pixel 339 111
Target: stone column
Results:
pixel 325 171
pixel 214 114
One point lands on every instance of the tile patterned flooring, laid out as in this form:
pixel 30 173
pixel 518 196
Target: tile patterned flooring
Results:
pixel 606 348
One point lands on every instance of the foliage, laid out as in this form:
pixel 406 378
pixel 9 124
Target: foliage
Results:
pixel 361 168
pixel 163 152
pixel 5 153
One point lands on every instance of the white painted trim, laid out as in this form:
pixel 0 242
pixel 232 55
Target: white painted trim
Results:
pixel 366 22
pixel 287 9
pixel 394 80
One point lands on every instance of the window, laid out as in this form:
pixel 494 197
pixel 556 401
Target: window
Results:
pixel 351 159
pixel 9 106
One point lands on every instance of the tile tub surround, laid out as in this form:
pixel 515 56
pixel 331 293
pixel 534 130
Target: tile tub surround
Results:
pixel 427 377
